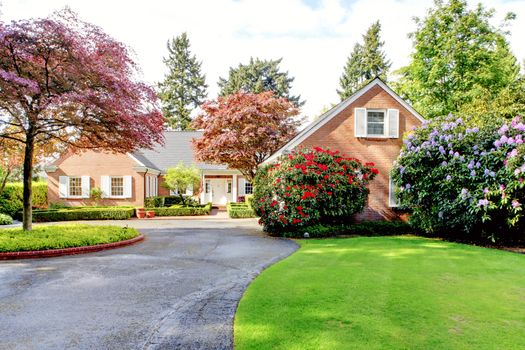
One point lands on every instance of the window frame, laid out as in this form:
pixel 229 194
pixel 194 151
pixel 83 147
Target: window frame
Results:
pixel 247 185
pixel 229 186
pixel 391 191
pixel 69 178
pixel 385 123
pixel 111 195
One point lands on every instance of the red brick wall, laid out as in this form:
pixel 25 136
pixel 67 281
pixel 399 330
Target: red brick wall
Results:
pixel 338 134
pixel 96 164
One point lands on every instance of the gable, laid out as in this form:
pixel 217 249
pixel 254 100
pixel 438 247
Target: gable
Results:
pixel 375 95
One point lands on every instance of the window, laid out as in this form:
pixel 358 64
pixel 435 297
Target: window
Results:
pixel 117 186
pixel 207 186
pixel 393 201
pixel 229 186
pixel 75 186
pixel 375 122
pixel 248 188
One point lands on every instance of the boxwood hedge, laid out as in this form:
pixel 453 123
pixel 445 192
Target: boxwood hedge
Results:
pixel 177 210
pixel 83 213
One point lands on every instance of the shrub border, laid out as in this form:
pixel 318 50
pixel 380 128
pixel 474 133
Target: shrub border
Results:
pixel 50 253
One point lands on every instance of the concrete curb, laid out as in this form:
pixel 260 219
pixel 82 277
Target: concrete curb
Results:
pixel 32 254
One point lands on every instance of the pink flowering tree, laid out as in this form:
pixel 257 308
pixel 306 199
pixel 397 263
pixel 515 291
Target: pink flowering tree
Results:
pixel 66 82
pixel 308 187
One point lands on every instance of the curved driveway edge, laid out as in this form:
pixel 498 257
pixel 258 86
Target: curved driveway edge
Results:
pixel 177 290
pixel 50 253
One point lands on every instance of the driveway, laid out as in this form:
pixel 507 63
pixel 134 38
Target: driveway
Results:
pixel 178 289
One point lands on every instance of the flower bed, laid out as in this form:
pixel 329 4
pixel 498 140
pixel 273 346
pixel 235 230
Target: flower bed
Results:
pixel 240 210
pixel 83 213
pixel 178 210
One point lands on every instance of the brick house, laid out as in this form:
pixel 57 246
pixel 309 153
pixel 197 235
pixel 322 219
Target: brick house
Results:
pixel 128 179
pixel 368 125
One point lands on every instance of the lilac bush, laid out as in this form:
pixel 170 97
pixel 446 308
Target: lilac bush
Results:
pixel 463 181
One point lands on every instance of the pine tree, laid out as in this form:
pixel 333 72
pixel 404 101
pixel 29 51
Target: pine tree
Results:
pixel 184 86
pixel 366 62
pixel 259 76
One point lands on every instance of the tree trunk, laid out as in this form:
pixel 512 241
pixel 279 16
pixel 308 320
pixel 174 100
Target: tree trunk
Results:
pixel 28 182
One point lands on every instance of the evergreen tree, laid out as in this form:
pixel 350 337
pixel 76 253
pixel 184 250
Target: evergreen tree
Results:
pixel 460 60
pixel 366 62
pixel 184 87
pixel 259 76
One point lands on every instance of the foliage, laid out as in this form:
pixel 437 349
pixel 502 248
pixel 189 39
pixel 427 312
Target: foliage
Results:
pixel 385 293
pixel 243 129
pixel 167 201
pixel 5 219
pixel 11 199
pixel 259 76
pixel 11 160
pixel 182 177
pixel 365 63
pixel 240 210
pixel 308 187
pixel 184 87
pixel 177 210
pixel 96 194
pixel 455 180
pixel 65 236
pixel 459 58
pixel 83 213
pixel 65 81
pixel 364 228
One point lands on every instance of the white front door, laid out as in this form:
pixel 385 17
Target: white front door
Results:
pixel 218 191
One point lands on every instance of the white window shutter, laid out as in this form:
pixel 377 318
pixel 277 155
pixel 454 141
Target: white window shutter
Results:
pixel 105 186
pixel 127 186
pixel 63 186
pixel 85 186
pixel 360 122
pixel 242 184
pixel 392 198
pixel 393 123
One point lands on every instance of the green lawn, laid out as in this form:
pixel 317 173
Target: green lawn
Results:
pixel 386 293
pixel 63 236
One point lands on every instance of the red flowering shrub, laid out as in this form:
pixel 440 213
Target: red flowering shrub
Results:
pixel 309 187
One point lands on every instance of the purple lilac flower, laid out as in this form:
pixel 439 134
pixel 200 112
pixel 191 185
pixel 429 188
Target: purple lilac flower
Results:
pixel 473 173
pixel 503 129
pixel 449 177
pixel 408 186
pixel 478 165
pixel 497 143
pixel 492 174
pixel 475 129
pixel 483 202
pixel 486 190
pixel 486 172
pixel 451 152
pixel 464 193
pixel 470 165
pixel 456 154
pixel 441 150
pixel 444 163
pixel 516 204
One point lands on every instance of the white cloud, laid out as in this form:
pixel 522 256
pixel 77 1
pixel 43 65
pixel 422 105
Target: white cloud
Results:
pixel 314 42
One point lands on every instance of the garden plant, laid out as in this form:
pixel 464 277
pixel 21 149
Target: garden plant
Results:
pixel 311 186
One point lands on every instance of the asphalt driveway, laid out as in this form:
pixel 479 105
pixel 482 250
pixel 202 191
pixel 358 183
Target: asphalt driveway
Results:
pixel 176 290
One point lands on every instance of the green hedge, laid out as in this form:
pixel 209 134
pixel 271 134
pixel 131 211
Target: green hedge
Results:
pixel 240 211
pixel 168 201
pixel 182 211
pixel 5 219
pixel 83 213
pixel 11 198
pixel 365 228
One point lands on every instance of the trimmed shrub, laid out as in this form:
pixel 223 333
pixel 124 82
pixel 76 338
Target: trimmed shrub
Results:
pixel 168 201
pixel 5 219
pixel 11 198
pixel 464 182
pixel 182 210
pixel 240 211
pixel 83 213
pixel 309 187
pixel 365 228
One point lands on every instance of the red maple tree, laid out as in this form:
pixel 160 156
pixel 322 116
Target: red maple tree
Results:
pixel 243 129
pixel 65 81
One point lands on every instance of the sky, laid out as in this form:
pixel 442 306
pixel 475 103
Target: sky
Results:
pixel 313 37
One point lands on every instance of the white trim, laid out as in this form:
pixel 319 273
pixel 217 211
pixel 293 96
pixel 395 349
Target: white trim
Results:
pixel 391 192
pixel 135 159
pixel 326 117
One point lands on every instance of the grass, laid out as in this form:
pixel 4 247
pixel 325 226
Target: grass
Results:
pixel 386 293
pixel 63 236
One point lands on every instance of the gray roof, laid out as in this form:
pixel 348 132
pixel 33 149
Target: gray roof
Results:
pixel 177 148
